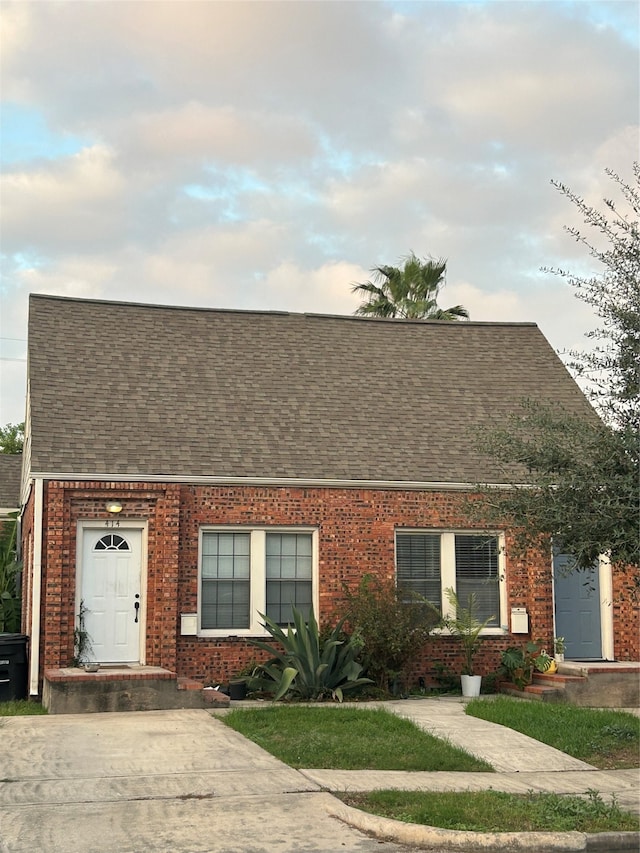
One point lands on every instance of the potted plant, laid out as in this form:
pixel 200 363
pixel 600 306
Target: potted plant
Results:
pixel 517 663
pixel 558 649
pixel 466 626
pixel 238 688
pixel 543 662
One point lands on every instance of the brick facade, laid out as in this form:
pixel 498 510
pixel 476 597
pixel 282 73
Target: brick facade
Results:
pixel 626 614
pixel 356 536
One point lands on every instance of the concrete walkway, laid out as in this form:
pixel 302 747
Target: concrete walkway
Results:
pixel 522 763
pixel 151 781
pixel 182 782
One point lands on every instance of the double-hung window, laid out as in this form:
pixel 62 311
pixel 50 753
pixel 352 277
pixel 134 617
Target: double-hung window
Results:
pixel 289 571
pixel 226 580
pixel 429 562
pixel 244 573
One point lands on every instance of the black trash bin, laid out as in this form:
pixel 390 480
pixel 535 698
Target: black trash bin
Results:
pixel 13 666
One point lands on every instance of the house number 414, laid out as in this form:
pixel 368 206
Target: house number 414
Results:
pixel 112 522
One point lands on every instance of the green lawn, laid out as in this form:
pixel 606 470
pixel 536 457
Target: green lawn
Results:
pixel 348 739
pixel 607 739
pixel 20 708
pixel 494 811
pixel 371 738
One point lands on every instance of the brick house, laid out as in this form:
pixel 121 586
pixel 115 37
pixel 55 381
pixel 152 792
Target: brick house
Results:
pixel 187 469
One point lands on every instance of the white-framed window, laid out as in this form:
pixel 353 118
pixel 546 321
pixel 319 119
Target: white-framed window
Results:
pixel 430 561
pixel 244 572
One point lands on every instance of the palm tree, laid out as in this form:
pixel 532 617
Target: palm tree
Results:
pixel 410 292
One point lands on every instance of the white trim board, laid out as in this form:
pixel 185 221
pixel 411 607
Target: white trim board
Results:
pixel 302 482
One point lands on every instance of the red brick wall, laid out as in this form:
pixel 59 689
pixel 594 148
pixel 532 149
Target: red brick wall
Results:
pixel 356 536
pixel 66 503
pixel 626 613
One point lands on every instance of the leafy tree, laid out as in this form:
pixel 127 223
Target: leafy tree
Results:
pixel 585 470
pixel 12 438
pixel 409 292
pixel 586 484
pixel 611 370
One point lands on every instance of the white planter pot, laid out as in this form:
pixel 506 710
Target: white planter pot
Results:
pixel 471 685
pixel 559 657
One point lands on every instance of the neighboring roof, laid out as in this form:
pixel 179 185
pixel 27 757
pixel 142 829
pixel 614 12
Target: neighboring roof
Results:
pixel 10 473
pixel 121 388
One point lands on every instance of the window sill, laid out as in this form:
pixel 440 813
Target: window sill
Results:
pixel 488 632
pixel 212 634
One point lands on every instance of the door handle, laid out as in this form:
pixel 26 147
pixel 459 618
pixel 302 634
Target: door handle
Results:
pixel 136 607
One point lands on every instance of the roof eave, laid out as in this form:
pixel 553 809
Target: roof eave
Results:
pixel 302 482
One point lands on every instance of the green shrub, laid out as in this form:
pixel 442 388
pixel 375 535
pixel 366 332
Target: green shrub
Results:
pixel 445 677
pixel 307 666
pixel 390 625
pixel 10 568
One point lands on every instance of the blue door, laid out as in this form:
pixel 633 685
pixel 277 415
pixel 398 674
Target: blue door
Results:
pixel 577 604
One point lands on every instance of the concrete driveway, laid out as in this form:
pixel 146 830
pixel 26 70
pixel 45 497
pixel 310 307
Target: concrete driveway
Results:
pixel 177 781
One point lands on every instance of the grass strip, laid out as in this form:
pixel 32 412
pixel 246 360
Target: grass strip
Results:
pixel 495 811
pixel 340 738
pixel 20 708
pixel 607 739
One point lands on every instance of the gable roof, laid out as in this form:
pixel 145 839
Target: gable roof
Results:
pixel 129 389
pixel 10 473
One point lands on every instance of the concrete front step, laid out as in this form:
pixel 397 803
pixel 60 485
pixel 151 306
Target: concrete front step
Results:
pixel 71 690
pixel 602 684
pixel 598 684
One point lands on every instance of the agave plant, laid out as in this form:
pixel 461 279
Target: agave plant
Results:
pixel 304 665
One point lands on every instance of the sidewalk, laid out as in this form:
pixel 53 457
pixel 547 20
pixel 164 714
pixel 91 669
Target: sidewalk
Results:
pixel 522 764
pixel 180 781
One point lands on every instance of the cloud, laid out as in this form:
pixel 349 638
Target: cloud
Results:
pixel 266 155
pixel 310 58
pixel 324 291
pixel 64 204
pixel 200 134
pixel 514 91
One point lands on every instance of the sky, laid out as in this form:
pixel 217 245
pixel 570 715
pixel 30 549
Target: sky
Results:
pixel 266 155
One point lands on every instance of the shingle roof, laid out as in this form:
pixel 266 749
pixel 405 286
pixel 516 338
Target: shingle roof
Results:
pixel 121 388
pixel 10 472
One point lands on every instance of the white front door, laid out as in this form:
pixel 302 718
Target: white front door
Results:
pixel 111 593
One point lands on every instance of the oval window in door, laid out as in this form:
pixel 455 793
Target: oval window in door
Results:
pixel 111 542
